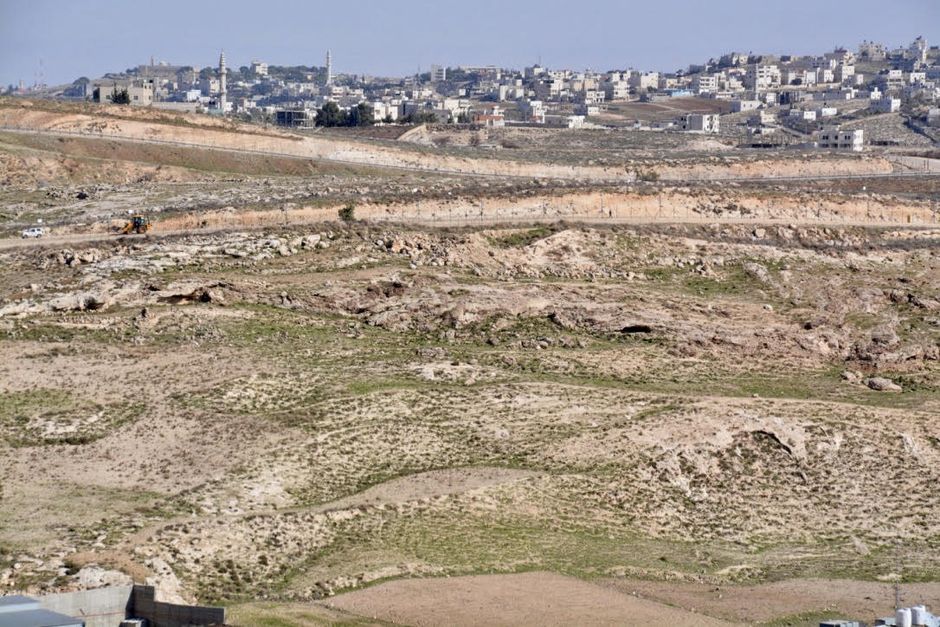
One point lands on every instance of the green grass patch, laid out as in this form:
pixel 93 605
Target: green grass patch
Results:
pixel 522 238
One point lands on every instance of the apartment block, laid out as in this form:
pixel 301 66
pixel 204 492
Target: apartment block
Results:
pixel 762 76
pixel 833 138
pixel 701 123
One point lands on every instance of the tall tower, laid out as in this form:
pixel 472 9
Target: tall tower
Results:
pixel 223 92
pixel 329 68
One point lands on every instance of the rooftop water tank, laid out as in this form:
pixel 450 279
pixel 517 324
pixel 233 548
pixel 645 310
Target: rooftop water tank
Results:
pixel 919 615
pixel 902 617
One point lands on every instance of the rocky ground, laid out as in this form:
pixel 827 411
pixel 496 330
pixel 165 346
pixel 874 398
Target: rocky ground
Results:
pixel 289 414
pixel 261 405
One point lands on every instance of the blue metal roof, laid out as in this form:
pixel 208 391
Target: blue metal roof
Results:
pixel 38 618
pixel 15 599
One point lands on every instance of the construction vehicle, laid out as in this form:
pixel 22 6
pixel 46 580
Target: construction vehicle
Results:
pixel 137 224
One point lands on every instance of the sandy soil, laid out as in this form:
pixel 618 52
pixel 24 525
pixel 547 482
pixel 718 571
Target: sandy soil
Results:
pixel 524 599
pixel 865 600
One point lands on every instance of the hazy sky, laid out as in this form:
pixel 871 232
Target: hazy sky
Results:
pixel 89 37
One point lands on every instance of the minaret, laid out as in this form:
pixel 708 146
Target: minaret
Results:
pixel 329 68
pixel 222 90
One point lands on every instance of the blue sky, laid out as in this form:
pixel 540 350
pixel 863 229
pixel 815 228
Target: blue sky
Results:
pixel 89 37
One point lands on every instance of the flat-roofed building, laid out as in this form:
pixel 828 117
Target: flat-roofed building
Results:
pixel 760 76
pixel 701 123
pixel 834 138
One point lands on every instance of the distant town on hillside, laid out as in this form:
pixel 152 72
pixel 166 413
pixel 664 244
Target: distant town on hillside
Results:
pixel 761 100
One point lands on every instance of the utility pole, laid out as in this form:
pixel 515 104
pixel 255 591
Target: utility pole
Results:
pixel 897 582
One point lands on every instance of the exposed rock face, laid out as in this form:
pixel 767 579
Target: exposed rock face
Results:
pixel 93 576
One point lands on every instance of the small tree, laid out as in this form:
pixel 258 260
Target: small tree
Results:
pixel 330 115
pixel 365 115
pixel 120 97
pixel 348 213
pixel 361 115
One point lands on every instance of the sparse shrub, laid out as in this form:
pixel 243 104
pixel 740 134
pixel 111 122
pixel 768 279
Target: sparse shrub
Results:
pixel 348 213
pixel 650 176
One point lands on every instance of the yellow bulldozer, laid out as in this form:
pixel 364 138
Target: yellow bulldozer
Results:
pixel 137 224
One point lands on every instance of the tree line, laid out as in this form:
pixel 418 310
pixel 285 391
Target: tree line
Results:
pixel 331 115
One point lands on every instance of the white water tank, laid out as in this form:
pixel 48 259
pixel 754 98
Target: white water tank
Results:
pixel 902 617
pixel 919 615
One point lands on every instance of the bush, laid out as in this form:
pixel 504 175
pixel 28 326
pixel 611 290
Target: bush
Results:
pixel 650 176
pixel 120 97
pixel 347 213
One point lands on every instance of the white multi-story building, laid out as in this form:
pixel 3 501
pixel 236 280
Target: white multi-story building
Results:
pixel 870 51
pixel 259 68
pixel 643 81
pixel 438 73
pixel 592 97
pixel 705 84
pixel 764 118
pixel 892 79
pixel 918 50
pixel 384 111
pixel 738 106
pixel 839 55
pixel 532 111
pixel 551 89
pixel 797 76
pixel 701 123
pixel 824 75
pixel 574 121
pixel 805 115
pixel 933 117
pixel 587 110
pixel 617 90
pixel 887 104
pixel 491 116
pixel 762 76
pixel 844 72
pixel 833 138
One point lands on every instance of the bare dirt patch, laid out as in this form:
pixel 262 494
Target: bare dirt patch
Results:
pixel 865 600
pixel 523 599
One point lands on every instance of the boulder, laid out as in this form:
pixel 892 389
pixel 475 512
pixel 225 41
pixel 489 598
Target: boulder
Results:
pixel 309 241
pixel 882 384
pixel 80 301
pixel 756 271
